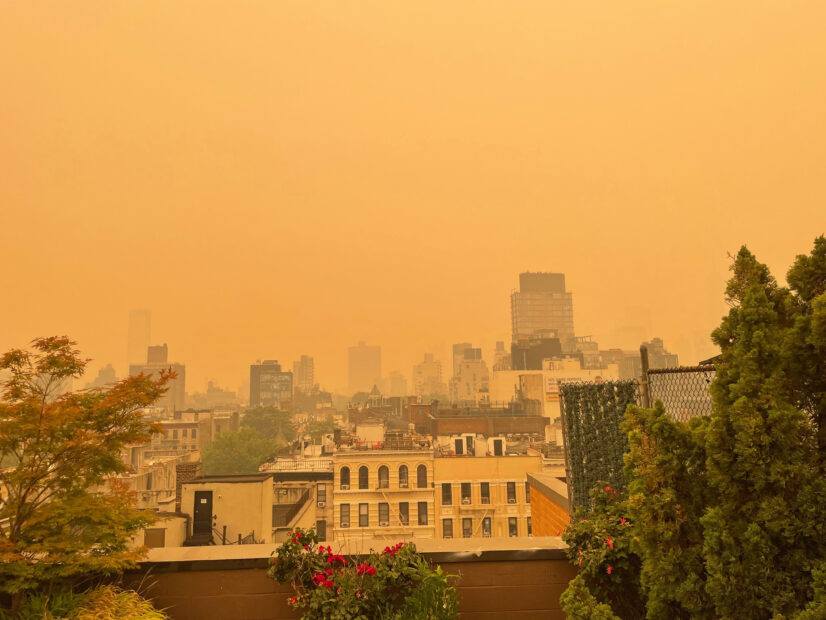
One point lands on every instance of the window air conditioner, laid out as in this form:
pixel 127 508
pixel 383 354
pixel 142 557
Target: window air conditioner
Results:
pixel 447 536
pixel 384 523
pixel 402 485
pixel 345 487
pixel 465 500
pixel 345 524
pixel 322 504
pixel 512 501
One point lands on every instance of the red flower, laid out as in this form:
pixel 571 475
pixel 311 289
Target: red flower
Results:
pixel 337 559
pixel 622 521
pixel 328 571
pixel 608 489
pixel 610 542
pixel 366 569
pixel 328 584
pixel 609 569
pixel 306 548
pixel 319 579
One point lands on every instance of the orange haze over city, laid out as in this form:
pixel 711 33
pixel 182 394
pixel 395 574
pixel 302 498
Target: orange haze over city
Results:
pixel 276 178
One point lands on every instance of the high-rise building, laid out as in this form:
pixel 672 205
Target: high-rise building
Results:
pixel 394 384
pixel 470 384
pixel 501 357
pixel 304 374
pixel 270 386
pixel 154 362
pixel 427 377
pixel 157 354
pixel 363 367
pixel 139 334
pixel 106 376
pixel 459 356
pixel 542 306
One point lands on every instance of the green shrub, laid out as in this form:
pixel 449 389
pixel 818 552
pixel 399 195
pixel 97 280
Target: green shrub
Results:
pixel 101 603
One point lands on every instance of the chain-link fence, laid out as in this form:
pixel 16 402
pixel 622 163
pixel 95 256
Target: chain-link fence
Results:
pixel 684 391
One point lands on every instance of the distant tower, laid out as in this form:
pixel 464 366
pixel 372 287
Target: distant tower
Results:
pixel 304 374
pixel 363 367
pixel 139 334
pixel 542 305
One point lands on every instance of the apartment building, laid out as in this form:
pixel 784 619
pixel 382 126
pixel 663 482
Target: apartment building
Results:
pixel 385 492
pixel 483 496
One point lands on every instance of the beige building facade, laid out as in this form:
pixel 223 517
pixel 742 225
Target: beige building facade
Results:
pixel 483 496
pixel 383 493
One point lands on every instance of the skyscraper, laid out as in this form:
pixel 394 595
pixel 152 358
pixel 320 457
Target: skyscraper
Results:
pixel 542 306
pixel 304 373
pixel 154 361
pixel 427 377
pixel 139 334
pixel 270 386
pixel 363 367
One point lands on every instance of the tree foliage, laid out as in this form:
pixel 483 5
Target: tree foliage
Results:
pixel 270 423
pixel 240 452
pixel 729 511
pixel 66 449
pixel 318 428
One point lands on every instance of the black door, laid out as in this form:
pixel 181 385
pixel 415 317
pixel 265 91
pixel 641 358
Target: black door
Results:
pixel 458 443
pixel 202 515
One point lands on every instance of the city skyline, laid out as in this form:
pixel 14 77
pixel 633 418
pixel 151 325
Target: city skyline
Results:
pixel 223 191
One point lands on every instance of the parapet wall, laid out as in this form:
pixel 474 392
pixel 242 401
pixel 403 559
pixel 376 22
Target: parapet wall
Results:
pixel 501 578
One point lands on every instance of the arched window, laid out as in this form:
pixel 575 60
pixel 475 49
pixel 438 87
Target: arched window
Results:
pixel 344 478
pixel 402 476
pixel 363 477
pixel 421 477
pixel 384 477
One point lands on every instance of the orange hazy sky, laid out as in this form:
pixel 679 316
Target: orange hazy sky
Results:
pixel 280 177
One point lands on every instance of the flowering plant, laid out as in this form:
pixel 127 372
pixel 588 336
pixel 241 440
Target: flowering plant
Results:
pixel 396 583
pixel 602 545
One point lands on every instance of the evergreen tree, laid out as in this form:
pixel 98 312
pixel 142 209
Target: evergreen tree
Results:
pixel 764 532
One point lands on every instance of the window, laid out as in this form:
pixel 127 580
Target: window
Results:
pixel 485 490
pixel 447 494
pixel 364 477
pixel 467 528
pixel 364 515
pixel 403 476
pixel 321 529
pixel 421 477
pixel 384 514
pixel 469 444
pixel 458 444
pixel 497 447
pixel 344 516
pixel 384 477
pixel 527 492
pixel 466 492
pixel 194 434
pixel 322 495
pixel 513 527
pixel 344 478
pixel 528 522
pixel 511 492
pixel 422 513
pixel 447 528
pixel 174 433
pixel 404 513
pixel 486 527
pixel 183 433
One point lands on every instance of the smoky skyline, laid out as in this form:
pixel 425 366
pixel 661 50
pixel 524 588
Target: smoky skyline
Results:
pixel 277 179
